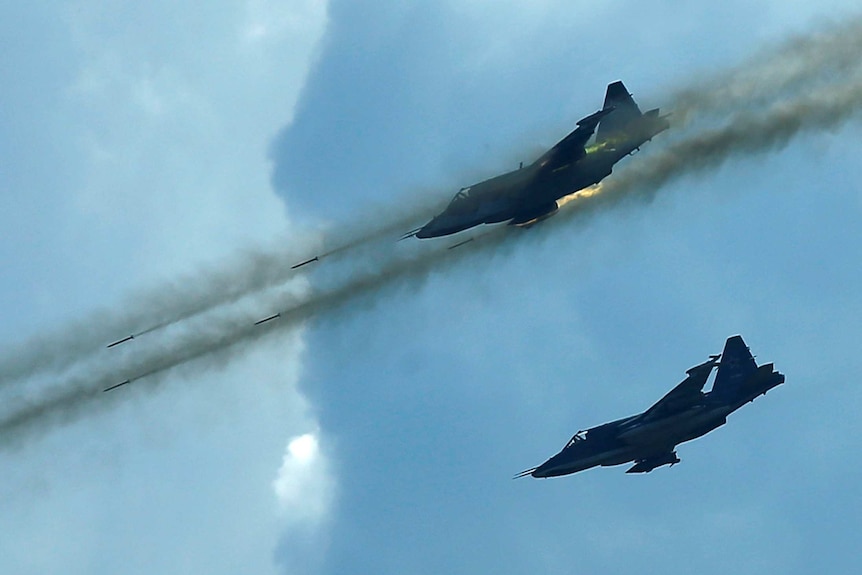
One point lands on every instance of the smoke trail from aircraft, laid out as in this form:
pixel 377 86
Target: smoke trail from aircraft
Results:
pixel 746 133
pixel 791 66
pixel 229 334
pixel 798 63
pixel 159 306
pixel 252 271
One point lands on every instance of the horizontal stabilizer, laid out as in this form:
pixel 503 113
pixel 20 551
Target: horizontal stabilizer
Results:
pixel 685 394
pixel 593 119
pixel 571 147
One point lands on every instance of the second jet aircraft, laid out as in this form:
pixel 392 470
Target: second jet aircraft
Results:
pixel 649 439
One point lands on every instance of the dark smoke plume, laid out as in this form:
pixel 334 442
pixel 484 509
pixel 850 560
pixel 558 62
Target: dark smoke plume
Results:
pixel 218 317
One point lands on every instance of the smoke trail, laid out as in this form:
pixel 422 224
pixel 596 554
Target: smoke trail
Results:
pixel 252 271
pixel 796 64
pixel 745 133
pixel 229 335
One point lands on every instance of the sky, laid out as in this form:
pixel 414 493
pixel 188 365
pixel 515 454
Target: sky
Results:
pixel 153 157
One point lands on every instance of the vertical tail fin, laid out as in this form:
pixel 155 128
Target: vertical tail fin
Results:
pixel 625 111
pixel 736 367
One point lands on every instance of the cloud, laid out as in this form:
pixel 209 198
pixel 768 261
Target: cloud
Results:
pixel 744 132
pixel 140 193
pixel 270 21
pixel 146 157
pixel 304 486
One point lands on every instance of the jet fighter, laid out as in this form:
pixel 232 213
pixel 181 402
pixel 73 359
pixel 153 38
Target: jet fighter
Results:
pixel 529 194
pixel 649 439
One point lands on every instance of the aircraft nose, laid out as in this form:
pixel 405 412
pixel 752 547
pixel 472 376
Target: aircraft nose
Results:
pixel 438 226
pixel 428 230
pixel 553 467
pixel 444 225
pixel 541 471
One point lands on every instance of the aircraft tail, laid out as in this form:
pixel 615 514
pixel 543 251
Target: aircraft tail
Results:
pixel 625 111
pixel 736 367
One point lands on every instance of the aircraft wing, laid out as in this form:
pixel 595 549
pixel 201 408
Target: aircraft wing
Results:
pixel 571 147
pixel 683 395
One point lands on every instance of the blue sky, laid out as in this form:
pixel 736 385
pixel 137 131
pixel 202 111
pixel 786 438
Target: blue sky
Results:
pixel 143 148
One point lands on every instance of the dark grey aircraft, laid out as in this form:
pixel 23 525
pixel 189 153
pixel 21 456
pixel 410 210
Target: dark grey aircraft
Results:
pixel 650 438
pixel 530 193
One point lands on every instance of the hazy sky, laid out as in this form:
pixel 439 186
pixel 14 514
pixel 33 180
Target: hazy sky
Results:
pixel 150 155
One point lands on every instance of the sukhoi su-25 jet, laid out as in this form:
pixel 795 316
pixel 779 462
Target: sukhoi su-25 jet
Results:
pixel 530 193
pixel 649 439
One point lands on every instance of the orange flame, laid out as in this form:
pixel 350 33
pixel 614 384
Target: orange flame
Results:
pixel 580 195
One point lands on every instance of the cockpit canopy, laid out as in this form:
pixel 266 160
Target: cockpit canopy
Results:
pixel 462 194
pixel 577 438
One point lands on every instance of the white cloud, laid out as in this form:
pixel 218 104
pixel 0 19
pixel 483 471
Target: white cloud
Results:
pixel 271 21
pixel 304 486
pixel 186 120
pixel 153 144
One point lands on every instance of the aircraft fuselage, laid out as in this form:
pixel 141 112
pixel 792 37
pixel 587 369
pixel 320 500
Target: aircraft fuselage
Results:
pixel 521 195
pixel 631 440
pixel 685 413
